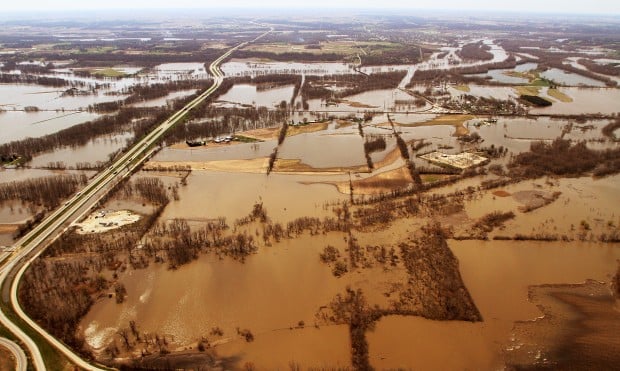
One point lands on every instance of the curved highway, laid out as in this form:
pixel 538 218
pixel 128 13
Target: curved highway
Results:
pixel 70 211
pixel 19 355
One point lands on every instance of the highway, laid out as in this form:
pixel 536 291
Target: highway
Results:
pixel 32 244
pixel 20 357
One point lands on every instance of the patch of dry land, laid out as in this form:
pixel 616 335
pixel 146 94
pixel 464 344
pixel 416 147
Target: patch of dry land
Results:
pixel 272 133
pixel 462 160
pixel 456 120
pixel 104 221
pixel 377 184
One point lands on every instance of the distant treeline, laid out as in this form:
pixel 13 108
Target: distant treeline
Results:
pixel 610 69
pixel 141 93
pixel 145 58
pixel 315 86
pixel 12 65
pixel 141 120
pixel 476 52
pixel 555 59
pixel 8 78
pixel 80 134
pixel 290 56
pixel 456 74
pixel 408 54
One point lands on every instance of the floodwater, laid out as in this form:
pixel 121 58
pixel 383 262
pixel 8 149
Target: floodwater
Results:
pixel 582 199
pixel 256 68
pixel 57 112
pixel 186 70
pixel 585 100
pixel 324 150
pixel 209 195
pixel 16 125
pixel 16 96
pixel 500 75
pixel 324 348
pixel 498 92
pixel 14 212
pixel 240 151
pixel 374 100
pixel 249 94
pixel 497 275
pixel 96 150
pixel 570 79
pixel 163 101
pixel 272 291
pixel 517 133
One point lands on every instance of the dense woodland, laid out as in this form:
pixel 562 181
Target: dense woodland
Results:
pixel 563 158
pixel 475 52
pixel 318 86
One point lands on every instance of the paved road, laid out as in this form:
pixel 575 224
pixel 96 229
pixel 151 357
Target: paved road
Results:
pixel 79 205
pixel 20 357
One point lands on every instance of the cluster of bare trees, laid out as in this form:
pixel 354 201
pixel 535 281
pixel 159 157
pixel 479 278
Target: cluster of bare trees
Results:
pixel 316 86
pixel 487 223
pixel 351 308
pixel 433 289
pixel 560 157
pixel 482 105
pixel 404 54
pixel 437 291
pixel 475 52
pixel 458 74
pixel 609 129
pixel 152 189
pixel 9 78
pixel 609 69
pixel 58 294
pixel 556 59
pixel 47 191
pixel 373 144
pixel 404 152
pixel 181 245
pixel 80 134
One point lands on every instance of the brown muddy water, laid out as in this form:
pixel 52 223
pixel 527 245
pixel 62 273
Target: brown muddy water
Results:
pixel 96 150
pixel 163 101
pixel 209 195
pixel 268 294
pixel 15 125
pixel 585 100
pixel 583 200
pixel 497 275
pixel 249 94
pixel 286 283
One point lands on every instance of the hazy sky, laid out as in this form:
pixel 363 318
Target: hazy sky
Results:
pixel 563 6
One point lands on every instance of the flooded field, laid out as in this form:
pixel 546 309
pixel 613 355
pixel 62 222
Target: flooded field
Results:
pixel 377 209
pixel 498 275
pixel 284 284
pixel 248 94
pixel 19 125
pixel 603 100
pixel 96 150
pixel 570 79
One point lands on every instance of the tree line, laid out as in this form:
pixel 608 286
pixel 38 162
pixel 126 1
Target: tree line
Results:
pixel 47 191
pixel 475 52
pixel 315 86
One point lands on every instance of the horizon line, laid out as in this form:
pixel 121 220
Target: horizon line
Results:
pixel 279 9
